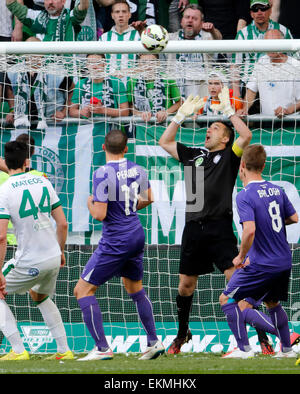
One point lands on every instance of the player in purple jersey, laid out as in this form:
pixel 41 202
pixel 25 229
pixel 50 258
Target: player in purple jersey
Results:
pixel 120 189
pixel 264 261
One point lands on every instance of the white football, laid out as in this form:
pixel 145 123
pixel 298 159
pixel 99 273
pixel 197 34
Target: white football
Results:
pixel 155 38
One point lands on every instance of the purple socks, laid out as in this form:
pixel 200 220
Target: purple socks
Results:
pixel 259 320
pixel 144 309
pixel 277 324
pixel 280 321
pixel 93 319
pixel 237 325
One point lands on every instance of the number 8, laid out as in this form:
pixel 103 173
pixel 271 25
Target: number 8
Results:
pixel 275 216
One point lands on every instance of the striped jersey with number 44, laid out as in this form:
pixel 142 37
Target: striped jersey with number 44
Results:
pixel 28 200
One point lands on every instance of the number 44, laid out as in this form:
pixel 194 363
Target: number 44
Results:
pixel 44 204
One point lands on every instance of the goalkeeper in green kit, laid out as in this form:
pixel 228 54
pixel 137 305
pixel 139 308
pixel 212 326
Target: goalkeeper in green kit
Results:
pixel 208 239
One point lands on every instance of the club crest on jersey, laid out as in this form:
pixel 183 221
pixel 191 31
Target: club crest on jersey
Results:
pixel 33 272
pixel 216 159
pixel 199 161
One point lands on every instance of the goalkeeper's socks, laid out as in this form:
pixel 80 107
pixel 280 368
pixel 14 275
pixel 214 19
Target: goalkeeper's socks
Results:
pixel 145 311
pixel 259 320
pixel 237 325
pixel 53 320
pixel 280 321
pixel 92 317
pixel 8 326
pixel 184 306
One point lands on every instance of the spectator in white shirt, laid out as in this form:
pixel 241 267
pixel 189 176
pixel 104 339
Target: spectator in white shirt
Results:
pixel 275 78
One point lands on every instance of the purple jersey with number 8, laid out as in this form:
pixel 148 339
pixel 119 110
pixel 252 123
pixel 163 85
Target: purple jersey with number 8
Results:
pixel 268 206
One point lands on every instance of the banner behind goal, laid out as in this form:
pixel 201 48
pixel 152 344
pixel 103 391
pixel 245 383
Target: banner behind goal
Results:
pixel 59 100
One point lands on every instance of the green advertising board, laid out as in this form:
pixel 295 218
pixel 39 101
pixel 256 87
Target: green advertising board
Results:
pixel 122 326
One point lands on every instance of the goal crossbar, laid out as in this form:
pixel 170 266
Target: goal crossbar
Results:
pixel 174 46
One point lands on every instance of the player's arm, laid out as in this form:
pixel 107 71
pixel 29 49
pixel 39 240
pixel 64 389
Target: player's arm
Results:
pixel 3 166
pixel 61 230
pixel 168 139
pixel 3 246
pixel 98 210
pixel 243 130
pixel 145 198
pixel 292 219
pixel 246 243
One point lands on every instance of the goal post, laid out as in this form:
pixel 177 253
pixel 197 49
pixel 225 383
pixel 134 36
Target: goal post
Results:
pixel 68 149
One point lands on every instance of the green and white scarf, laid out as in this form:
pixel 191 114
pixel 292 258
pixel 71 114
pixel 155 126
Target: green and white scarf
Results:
pixel 22 95
pixel 63 30
pixel 149 96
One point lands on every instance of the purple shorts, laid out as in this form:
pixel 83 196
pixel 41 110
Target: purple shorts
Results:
pixel 115 258
pixel 259 285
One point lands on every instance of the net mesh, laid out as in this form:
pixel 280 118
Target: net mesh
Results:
pixel 68 148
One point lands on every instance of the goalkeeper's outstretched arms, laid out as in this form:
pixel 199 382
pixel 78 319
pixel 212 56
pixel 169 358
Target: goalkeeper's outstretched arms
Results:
pixel 242 129
pixel 168 140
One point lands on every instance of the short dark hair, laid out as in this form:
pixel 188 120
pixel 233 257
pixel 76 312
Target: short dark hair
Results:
pixel 29 140
pixel 229 131
pixel 115 141
pixel 96 54
pixel 15 154
pixel 195 7
pixel 254 157
pixel 120 2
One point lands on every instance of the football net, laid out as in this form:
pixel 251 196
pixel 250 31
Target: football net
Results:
pixel 67 103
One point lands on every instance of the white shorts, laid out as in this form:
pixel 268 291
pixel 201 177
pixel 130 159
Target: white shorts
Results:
pixel 40 277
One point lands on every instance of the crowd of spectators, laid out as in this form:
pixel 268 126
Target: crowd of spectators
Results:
pixel 256 80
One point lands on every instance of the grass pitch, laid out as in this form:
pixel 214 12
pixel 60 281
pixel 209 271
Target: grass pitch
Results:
pixel 184 363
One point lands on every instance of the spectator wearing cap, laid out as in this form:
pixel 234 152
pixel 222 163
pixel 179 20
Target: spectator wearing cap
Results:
pixel 260 11
pixel 216 82
pixel 274 77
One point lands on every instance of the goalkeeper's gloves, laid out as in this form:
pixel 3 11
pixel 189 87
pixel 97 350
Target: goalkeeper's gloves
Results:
pixel 190 106
pixel 225 105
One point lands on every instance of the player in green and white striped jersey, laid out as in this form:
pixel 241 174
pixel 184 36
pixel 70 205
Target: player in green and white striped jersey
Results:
pixel 29 201
pixel 260 11
pixel 121 31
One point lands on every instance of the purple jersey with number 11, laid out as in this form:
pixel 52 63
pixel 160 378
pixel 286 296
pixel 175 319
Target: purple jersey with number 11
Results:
pixel 268 206
pixel 118 183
